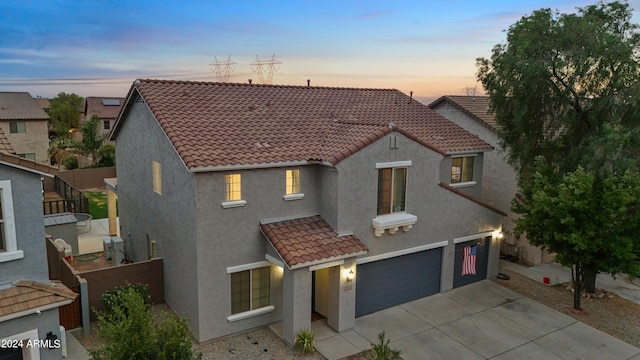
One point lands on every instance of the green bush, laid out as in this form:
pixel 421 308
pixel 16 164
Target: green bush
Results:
pixel 306 340
pixel 131 332
pixel 115 298
pixel 382 351
pixel 70 162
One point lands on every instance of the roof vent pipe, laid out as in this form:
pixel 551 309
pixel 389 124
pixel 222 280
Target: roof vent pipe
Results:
pixel 410 96
pixel 250 81
pixel 308 82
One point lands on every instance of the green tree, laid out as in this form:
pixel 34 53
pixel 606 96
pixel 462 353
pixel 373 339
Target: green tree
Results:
pixel 590 221
pixel 133 333
pixel 566 88
pixel 65 112
pixel 92 139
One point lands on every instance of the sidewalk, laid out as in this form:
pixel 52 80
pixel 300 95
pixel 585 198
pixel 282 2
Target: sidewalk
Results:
pixel 622 286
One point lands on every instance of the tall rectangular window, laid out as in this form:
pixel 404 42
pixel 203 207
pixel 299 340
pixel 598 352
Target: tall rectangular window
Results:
pixel 8 240
pixel 233 187
pixel 17 127
pixel 392 186
pixel 106 124
pixel 292 182
pixel 157 176
pixel 462 169
pixel 250 289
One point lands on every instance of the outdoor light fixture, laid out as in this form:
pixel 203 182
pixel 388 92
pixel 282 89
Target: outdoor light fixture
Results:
pixel 498 234
pixel 350 275
pixel 50 340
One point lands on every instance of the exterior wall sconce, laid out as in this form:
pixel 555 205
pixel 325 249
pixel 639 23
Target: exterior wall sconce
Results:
pixel 498 234
pixel 51 341
pixel 349 275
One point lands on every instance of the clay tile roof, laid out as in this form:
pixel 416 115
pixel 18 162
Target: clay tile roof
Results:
pixel 310 240
pixel 218 124
pixel 26 164
pixel 30 295
pixel 103 107
pixel 475 106
pixel 20 106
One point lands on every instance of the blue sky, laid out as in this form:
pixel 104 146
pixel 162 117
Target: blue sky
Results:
pixel 97 48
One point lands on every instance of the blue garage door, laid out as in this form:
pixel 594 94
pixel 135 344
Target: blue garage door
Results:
pixel 482 254
pixel 385 283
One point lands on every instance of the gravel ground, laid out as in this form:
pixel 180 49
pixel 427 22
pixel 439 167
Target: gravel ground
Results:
pixel 611 314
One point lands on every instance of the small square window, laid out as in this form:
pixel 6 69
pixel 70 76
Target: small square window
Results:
pixel 462 169
pixel 233 187
pixel 17 127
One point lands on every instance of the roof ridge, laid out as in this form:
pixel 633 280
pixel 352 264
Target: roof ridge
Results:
pixel 217 83
pixel 52 288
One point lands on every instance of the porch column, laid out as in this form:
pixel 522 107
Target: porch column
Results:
pixel 342 297
pixel 296 302
pixel 112 185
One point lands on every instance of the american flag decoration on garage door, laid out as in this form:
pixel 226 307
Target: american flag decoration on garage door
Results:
pixel 469 260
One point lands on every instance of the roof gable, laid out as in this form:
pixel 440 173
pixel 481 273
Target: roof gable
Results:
pixel 103 107
pixel 223 124
pixel 476 107
pixel 20 106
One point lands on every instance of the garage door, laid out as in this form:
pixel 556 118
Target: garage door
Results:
pixel 482 254
pixel 385 283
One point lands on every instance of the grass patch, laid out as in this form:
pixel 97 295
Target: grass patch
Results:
pixel 98 204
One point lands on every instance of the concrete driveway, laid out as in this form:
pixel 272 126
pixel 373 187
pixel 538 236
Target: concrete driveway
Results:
pixel 478 321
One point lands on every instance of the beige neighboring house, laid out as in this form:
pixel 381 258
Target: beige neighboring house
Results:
pixel 500 179
pixel 106 108
pixel 25 126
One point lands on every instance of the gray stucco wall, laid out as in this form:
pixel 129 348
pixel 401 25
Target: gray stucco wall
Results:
pixel 231 237
pixel 442 215
pixel 29 223
pixel 45 322
pixel 168 218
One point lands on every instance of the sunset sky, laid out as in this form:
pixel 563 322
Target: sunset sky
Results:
pixel 97 48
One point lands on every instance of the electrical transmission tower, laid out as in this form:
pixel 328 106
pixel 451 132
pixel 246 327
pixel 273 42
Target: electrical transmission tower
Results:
pixel 265 66
pixel 222 69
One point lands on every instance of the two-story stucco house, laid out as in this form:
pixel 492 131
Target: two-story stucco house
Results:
pixel 25 126
pixel 499 185
pixel 270 203
pixel 105 108
pixel 28 300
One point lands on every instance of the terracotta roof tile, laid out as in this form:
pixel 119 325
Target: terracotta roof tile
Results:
pixel 28 295
pixel 309 240
pixel 475 106
pixel 28 164
pixel 217 124
pixel 20 106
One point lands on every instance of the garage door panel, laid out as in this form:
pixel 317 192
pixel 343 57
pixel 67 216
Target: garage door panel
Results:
pixel 384 283
pixel 482 255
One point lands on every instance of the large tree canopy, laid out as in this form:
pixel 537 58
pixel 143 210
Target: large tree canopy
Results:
pixel 65 111
pixel 565 90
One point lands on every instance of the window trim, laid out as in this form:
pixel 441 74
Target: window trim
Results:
pixel 392 190
pixel 11 251
pixel 462 183
pixel 292 195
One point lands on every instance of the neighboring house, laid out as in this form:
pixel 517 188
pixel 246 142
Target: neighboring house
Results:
pixel 268 203
pixel 499 185
pixel 106 109
pixel 44 103
pixel 28 300
pixel 25 125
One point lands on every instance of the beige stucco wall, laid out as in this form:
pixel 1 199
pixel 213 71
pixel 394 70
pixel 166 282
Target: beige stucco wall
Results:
pixel 34 140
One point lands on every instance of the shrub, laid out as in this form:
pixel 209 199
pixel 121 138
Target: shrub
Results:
pixel 306 340
pixel 382 350
pixel 70 162
pixel 115 298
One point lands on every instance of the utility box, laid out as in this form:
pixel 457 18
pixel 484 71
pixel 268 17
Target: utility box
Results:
pixel 117 246
pixel 107 248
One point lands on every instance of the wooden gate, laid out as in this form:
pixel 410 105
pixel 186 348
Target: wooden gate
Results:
pixel 70 314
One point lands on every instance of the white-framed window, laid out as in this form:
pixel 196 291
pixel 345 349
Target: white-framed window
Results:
pixel 250 289
pixel 8 240
pixel 233 191
pixel 156 170
pixel 462 169
pixel 292 185
pixel 392 190
pixel 17 127
pixel 26 352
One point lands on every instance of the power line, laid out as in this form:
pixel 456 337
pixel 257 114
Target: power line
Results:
pixel 268 66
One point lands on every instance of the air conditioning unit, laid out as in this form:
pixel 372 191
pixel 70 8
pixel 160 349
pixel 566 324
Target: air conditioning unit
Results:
pixel 107 248
pixel 118 250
